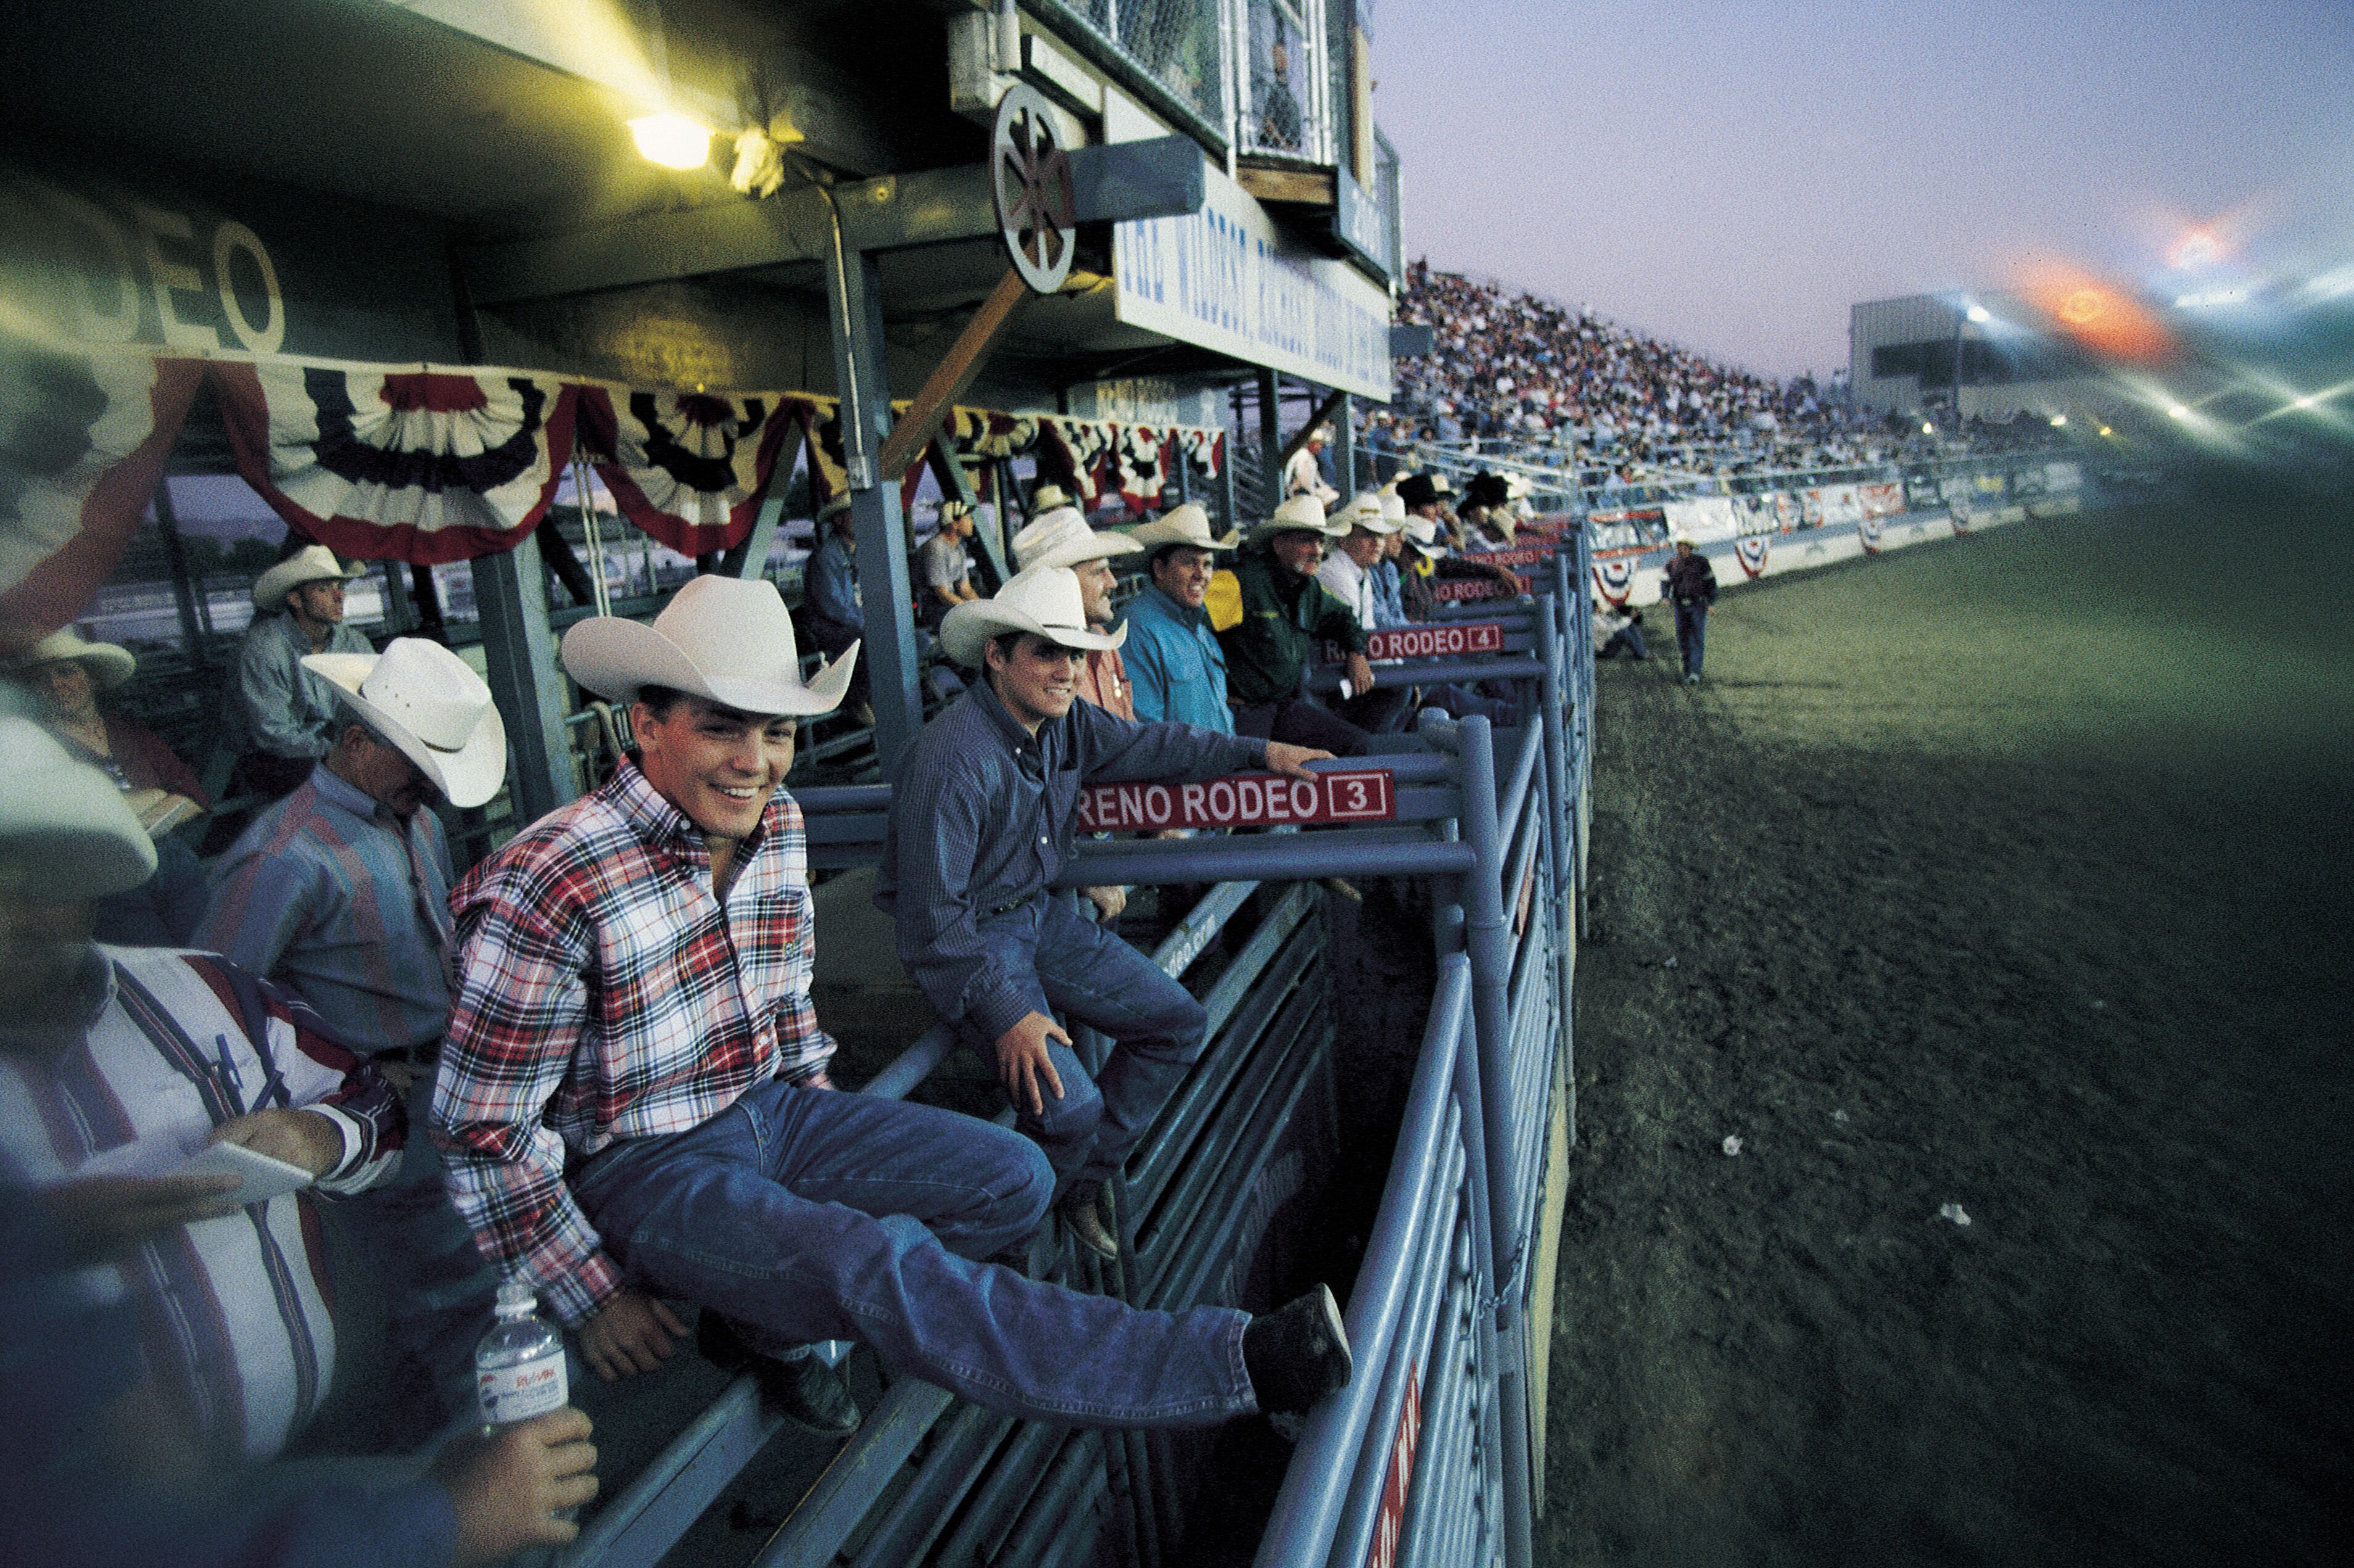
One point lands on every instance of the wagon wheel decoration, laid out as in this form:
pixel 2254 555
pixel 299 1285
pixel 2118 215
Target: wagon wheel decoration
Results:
pixel 1030 180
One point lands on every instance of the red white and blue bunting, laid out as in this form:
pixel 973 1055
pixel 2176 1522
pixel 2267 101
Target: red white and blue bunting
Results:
pixel 689 468
pixel 1614 580
pixel 1868 532
pixel 87 438
pixel 1752 550
pixel 422 465
pixel 432 463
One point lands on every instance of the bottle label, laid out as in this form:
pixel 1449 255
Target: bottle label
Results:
pixel 509 1395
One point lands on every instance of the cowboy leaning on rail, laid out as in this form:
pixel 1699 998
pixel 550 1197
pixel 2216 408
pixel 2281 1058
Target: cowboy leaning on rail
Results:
pixel 981 821
pixel 633 1101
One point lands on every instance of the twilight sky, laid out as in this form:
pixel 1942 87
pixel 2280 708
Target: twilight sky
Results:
pixel 1732 177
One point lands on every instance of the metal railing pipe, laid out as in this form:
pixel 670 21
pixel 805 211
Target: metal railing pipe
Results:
pixel 1307 1509
pixel 1485 935
pixel 1290 858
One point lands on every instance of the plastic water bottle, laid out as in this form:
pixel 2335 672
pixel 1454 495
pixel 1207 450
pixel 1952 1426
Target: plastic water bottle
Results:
pixel 519 1365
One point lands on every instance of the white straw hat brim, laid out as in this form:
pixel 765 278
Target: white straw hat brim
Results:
pixel 109 663
pixel 270 588
pixel 613 658
pixel 467 777
pixel 67 819
pixel 966 628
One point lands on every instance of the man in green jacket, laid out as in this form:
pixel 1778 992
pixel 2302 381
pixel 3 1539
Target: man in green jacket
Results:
pixel 1285 613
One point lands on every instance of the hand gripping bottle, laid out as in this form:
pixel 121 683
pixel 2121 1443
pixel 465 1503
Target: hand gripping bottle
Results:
pixel 519 1365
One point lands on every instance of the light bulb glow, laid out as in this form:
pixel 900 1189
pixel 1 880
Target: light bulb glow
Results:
pixel 2177 411
pixel 2059 422
pixel 1978 314
pixel 673 140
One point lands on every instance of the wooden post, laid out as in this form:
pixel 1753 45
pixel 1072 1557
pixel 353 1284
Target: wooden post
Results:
pixel 949 379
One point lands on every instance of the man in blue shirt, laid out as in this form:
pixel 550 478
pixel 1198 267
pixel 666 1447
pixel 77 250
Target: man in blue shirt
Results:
pixel 834 612
pixel 339 892
pixel 1176 671
pixel 982 816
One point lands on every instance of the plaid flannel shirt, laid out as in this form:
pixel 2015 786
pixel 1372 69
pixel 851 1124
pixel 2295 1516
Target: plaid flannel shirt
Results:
pixel 601 993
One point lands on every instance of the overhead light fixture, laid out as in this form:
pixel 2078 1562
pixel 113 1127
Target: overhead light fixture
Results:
pixel 2177 411
pixel 673 140
pixel 2106 431
pixel 2059 420
pixel 1978 314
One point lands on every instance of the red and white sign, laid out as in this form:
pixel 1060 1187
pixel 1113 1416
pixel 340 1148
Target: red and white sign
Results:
pixel 1456 590
pixel 1440 640
pixel 1518 555
pixel 1247 800
pixel 1381 1552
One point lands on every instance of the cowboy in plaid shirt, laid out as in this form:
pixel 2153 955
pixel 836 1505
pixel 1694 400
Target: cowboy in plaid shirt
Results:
pixel 633 1101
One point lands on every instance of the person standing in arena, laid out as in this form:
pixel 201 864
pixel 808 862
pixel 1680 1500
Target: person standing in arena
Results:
pixel 1285 612
pixel 982 819
pixel 635 1104
pixel 1689 585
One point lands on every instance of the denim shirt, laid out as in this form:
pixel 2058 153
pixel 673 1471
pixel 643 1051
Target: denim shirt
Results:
pixel 981 821
pixel 1389 596
pixel 830 586
pixel 1176 671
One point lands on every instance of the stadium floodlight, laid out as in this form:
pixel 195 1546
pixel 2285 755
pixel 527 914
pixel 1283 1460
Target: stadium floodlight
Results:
pixel 673 140
pixel 1978 314
pixel 2059 422
pixel 2106 431
pixel 2177 411
pixel 1927 429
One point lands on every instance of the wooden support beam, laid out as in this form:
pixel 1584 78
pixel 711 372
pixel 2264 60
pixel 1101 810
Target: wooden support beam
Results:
pixel 1300 188
pixel 949 379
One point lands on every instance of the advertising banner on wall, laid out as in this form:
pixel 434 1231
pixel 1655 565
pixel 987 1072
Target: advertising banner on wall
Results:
pixel 1705 519
pixel 1832 506
pixel 1626 533
pixel 1226 279
pixel 1880 500
pixel 1770 512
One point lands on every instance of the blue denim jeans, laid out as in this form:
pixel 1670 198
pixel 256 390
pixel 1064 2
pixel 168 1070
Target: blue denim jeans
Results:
pixel 1692 635
pixel 805 1214
pixel 1078 970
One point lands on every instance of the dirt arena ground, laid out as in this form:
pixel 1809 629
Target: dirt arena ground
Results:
pixel 2006 873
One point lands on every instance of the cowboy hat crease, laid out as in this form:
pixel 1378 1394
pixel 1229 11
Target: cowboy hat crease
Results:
pixel 1044 600
pixel 721 638
pixel 429 704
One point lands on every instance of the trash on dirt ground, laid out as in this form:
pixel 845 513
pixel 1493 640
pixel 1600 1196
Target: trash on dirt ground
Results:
pixel 1670 962
pixel 1839 1116
pixel 1733 1145
pixel 1953 1212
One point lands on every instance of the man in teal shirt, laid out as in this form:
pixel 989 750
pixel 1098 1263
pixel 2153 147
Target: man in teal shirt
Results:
pixel 1176 671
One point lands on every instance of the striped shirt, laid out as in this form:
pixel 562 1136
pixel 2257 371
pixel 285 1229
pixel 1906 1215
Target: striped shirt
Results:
pixel 234 1312
pixel 603 994
pixel 330 895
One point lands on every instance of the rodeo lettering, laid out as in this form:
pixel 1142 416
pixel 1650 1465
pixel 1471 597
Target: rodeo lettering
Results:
pixel 1427 642
pixel 1457 590
pixel 1250 801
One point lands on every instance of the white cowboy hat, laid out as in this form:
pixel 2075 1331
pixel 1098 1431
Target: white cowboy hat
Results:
pixel 1186 524
pixel 67 819
pixel 1047 497
pixel 1045 600
pixel 952 507
pixel 108 664
pixel 1421 532
pixel 311 563
pixel 1299 515
pixel 723 639
pixel 1322 433
pixel 1393 507
pixel 1364 510
pixel 1441 483
pixel 1062 538
pixel 1517 486
pixel 429 703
